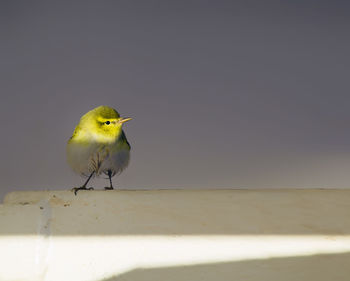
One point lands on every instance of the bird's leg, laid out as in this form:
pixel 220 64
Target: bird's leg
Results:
pixel 110 181
pixel 83 187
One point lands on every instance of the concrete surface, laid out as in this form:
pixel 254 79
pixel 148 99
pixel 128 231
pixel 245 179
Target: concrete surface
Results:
pixel 176 235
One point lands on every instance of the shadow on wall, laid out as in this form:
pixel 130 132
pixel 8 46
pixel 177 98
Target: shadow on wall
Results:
pixel 317 267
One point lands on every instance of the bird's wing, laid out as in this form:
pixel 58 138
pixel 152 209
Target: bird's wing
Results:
pixel 123 138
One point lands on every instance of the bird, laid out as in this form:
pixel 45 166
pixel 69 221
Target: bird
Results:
pixel 98 146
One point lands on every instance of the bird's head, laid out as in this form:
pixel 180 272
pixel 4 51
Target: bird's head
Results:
pixel 103 123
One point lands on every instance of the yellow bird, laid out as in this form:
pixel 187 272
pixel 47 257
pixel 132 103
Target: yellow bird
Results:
pixel 98 145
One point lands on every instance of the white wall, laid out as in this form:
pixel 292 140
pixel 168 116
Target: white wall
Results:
pixel 176 235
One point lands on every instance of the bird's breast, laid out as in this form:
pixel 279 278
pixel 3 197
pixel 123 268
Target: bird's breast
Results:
pixel 99 158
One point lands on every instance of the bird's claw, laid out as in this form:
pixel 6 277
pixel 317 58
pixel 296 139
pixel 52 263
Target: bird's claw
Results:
pixel 75 189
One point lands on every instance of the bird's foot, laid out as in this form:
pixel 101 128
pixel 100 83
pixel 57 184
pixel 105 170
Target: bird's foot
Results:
pixel 109 188
pixel 75 189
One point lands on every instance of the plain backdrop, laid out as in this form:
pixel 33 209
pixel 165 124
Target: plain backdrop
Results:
pixel 223 94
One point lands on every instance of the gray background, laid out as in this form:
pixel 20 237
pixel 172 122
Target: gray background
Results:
pixel 224 94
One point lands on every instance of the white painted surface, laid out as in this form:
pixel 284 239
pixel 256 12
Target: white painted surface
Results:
pixel 176 235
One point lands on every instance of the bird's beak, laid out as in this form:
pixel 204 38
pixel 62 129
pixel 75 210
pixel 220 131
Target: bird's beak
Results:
pixel 123 120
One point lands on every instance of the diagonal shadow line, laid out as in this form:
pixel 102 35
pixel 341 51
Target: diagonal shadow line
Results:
pixel 324 267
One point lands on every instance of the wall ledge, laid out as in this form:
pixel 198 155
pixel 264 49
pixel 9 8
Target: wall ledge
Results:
pixel 265 234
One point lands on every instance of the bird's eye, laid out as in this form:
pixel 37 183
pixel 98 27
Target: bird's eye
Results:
pixel 107 122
